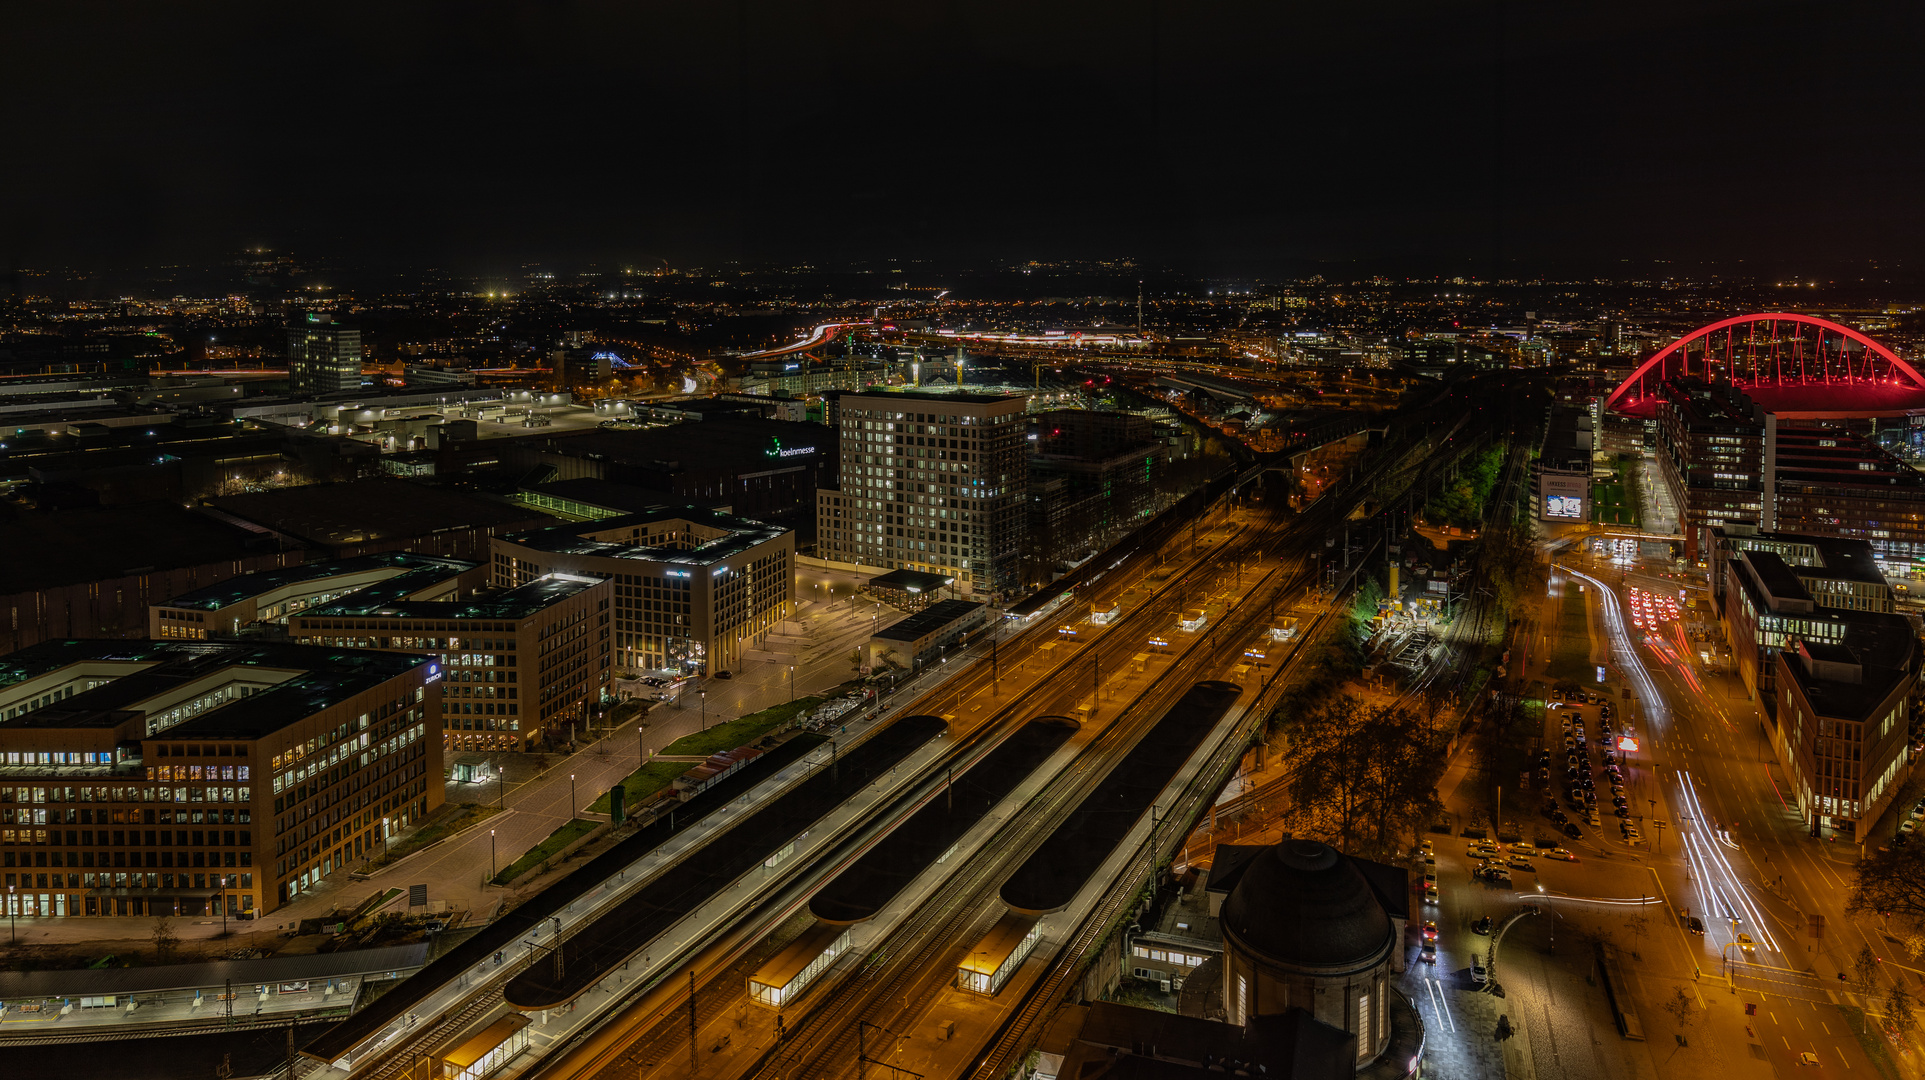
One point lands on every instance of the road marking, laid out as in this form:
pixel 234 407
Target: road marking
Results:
pixel 1787 1042
pixel 1841 1056
pixel 1773 1015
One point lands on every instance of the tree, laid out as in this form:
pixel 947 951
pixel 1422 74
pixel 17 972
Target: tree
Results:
pixel 1639 924
pixel 165 940
pixel 1865 965
pixel 1899 1008
pixel 1681 1009
pixel 1891 882
pixel 1368 771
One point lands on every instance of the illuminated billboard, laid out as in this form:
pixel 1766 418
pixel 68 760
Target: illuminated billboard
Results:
pixel 1628 743
pixel 1563 506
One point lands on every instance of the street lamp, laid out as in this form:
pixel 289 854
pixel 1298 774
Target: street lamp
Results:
pixel 573 799
pixel 491 854
pixel 791 682
pixel 12 935
pixel 705 710
pixel 222 901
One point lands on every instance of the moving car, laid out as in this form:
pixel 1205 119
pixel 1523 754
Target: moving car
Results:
pixel 1428 953
pixel 1745 942
pixel 1481 926
pixel 1695 925
pixel 1563 854
pixel 1430 930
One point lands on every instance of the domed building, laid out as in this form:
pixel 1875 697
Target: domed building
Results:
pixel 1302 942
pixel 1306 927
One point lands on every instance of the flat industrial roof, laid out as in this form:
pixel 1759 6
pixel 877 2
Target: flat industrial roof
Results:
pixel 236 589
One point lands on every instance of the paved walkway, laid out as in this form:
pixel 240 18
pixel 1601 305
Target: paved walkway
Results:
pixel 538 795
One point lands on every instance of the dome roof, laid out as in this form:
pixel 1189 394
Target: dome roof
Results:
pixel 1302 904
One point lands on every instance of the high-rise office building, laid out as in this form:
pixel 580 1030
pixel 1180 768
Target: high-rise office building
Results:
pixel 323 357
pixel 930 481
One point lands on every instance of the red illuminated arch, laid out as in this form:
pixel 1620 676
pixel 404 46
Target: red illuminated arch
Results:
pixel 1679 350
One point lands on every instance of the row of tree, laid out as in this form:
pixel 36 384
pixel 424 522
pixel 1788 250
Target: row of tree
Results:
pixel 1364 774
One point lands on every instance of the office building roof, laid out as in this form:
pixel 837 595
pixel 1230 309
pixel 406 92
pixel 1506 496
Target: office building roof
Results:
pixel 305 680
pixel 934 396
pixel 406 565
pixel 613 497
pixel 98 542
pixel 517 603
pixel 741 534
pixel 365 511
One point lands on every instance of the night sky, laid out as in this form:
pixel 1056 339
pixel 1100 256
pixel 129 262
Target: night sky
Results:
pixel 1422 136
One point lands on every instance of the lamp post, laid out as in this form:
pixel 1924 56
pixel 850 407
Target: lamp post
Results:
pixel 491 855
pixel 12 934
pixel 791 682
pixel 573 799
pixel 705 710
pixel 222 900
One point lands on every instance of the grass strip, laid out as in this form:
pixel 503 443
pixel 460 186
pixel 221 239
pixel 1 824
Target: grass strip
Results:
pixel 547 849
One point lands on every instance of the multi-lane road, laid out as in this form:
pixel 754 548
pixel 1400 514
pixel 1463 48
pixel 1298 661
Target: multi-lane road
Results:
pixel 1720 845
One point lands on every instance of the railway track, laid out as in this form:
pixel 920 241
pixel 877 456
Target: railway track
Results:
pixel 908 968
pixel 917 960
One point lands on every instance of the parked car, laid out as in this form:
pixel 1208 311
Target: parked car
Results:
pixel 1563 854
pixel 1481 926
pixel 1477 973
pixel 1696 925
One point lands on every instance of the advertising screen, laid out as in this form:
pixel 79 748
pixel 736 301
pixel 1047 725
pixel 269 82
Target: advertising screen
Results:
pixel 1563 506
